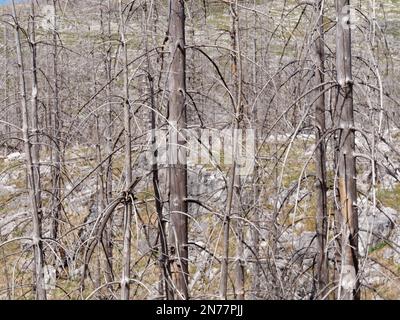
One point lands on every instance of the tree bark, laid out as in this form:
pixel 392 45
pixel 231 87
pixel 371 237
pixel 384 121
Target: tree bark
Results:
pixel 348 279
pixel 34 103
pixel 233 188
pixel 255 235
pixel 107 179
pixel 57 124
pixel 165 288
pixel 126 251
pixel 320 156
pixel 6 88
pixel 34 196
pixel 178 207
pixel 237 85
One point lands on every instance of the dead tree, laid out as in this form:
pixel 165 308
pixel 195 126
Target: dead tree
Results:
pixel 6 86
pixel 178 207
pixel 320 153
pixel 107 178
pixel 238 116
pixel 233 188
pixel 126 251
pixel 34 195
pixel 34 105
pixel 56 153
pixel 348 278
pixel 165 286
pixel 255 235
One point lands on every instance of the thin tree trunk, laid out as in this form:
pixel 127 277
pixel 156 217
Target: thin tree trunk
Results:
pixel 336 198
pixel 57 124
pixel 320 156
pixel 6 88
pixel 237 77
pixel 109 131
pixel 126 251
pixel 34 103
pixel 255 235
pixel 164 264
pixel 177 153
pixel 234 180
pixel 36 211
pixel 100 192
pixel 348 280
pixel 107 179
pixel 6 149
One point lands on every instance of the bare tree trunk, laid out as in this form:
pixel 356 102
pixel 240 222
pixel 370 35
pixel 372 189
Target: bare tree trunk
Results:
pixel 109 130
pixel 336 198
pixel 57 124
pixel 107 179
pixel 100 204
pixel 164 264
pixel 223 288
pixel 6 88
pixel 177 153
pixel 6 148
pixel 34 103
pixel 348 280
pixel 234 179
pixel 237 78
pixel 320 155
pixel 34 195
pixel 126 251
pixel 255 235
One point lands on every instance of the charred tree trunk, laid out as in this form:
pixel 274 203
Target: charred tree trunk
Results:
pixel 348 278
pixel 178 208
pixel 322 276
